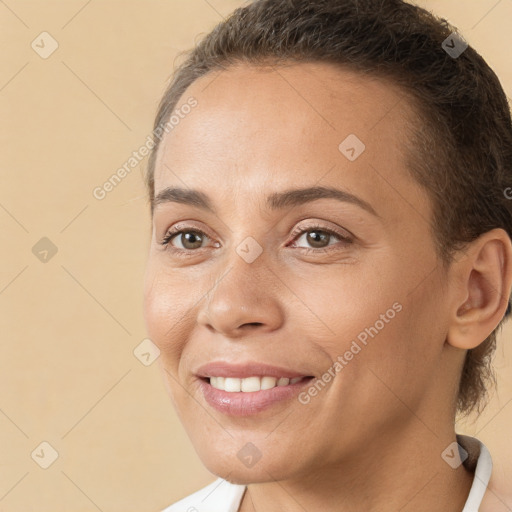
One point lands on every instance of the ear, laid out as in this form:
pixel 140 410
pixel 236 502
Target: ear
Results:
pixel 483 278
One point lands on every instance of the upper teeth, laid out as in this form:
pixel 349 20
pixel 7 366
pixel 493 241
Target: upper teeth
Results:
pixel 250 384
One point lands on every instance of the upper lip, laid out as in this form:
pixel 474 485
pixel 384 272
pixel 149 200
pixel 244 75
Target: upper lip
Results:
pixel 244 370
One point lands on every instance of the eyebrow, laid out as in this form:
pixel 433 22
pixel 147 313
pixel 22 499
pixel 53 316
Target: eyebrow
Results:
pixel 275 201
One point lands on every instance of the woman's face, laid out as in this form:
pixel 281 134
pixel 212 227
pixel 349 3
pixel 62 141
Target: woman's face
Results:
pixel 344 291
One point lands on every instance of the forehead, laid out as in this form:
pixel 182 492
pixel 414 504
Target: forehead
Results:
pixel 254 126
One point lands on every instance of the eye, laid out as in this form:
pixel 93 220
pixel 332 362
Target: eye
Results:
pixel 318 237
pixel 189 239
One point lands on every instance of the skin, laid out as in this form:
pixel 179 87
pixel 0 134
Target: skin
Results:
pixel 372 438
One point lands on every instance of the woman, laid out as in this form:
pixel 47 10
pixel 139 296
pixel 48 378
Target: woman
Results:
pixel 331 257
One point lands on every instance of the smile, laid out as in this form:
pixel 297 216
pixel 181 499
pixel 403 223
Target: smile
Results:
pixel 251 384
pixel 251 395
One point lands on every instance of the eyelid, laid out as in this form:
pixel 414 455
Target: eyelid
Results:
pixel 318 225
pixel 186 226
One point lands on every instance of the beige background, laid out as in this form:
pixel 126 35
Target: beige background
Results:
pixel 69 326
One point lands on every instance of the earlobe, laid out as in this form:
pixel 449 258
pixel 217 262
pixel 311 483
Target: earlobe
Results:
pixel 484 283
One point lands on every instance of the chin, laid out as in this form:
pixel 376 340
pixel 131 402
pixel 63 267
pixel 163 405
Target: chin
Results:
pixel 237 471
pixel 247 476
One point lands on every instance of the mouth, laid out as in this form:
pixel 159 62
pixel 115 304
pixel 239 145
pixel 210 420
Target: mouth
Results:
pixel 251 396
pixel 249 388
pixel 251 384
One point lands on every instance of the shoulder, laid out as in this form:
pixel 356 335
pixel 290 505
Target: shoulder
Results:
pixel 219 496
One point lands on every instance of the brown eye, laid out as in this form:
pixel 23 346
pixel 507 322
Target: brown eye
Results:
pixel 188 239
pixel 318 238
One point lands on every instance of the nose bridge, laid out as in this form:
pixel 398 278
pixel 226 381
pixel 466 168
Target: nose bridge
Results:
pixel 243 292
pixel 241 277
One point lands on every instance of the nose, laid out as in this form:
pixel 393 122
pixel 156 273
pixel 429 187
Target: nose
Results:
pixel 246 297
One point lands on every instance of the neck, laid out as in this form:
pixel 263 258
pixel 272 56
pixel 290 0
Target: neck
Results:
pixel 406 473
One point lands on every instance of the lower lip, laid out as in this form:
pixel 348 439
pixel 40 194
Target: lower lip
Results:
pixel 249 403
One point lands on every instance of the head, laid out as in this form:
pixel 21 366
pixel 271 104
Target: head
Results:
pixel 409 272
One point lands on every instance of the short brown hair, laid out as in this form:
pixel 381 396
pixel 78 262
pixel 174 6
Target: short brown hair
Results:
pixel 462 145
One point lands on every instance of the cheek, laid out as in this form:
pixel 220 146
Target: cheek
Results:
pixel 344 303
pixel 368 318
pixel 165 314
pixel 397 361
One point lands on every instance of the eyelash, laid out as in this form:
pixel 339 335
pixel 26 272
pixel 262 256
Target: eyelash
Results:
pixel 177 230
